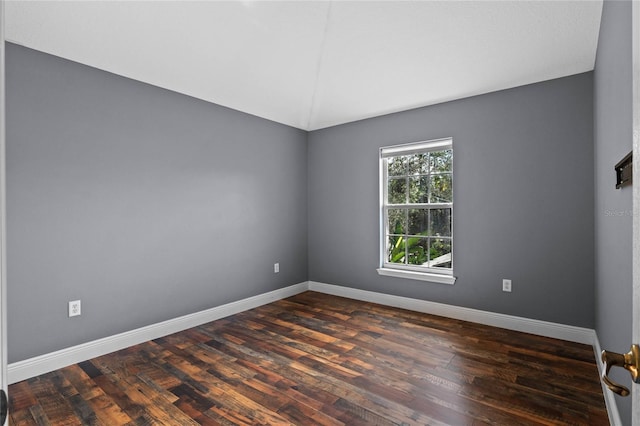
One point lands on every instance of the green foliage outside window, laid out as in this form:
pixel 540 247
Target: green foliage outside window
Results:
pixel 418 250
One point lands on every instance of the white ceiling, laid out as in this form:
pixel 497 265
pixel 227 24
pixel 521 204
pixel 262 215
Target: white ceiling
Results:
pixel 314 64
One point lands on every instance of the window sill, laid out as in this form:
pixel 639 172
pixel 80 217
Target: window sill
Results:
pixel 422 276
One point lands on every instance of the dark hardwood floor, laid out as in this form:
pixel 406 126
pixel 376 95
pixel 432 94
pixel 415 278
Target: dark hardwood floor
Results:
pixel 316 359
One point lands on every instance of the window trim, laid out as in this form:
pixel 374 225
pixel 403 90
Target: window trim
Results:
pixel 408 271
pixel 415 275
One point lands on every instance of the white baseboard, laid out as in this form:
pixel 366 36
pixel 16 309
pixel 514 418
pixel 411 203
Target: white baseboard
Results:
pixel 36 366
pixel 609 398
pixel 526 325
pixel 32 367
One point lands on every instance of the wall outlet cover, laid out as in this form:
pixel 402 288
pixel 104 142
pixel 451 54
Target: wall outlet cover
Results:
pixel 75 308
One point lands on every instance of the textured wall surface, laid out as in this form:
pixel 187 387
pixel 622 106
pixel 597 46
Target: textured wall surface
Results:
pixel 523 200
pixel 613 207
pixel 143 203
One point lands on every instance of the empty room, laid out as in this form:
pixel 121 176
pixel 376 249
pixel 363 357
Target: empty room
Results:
pixel 258 212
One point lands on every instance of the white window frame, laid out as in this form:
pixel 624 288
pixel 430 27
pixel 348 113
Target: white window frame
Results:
pixel 438 275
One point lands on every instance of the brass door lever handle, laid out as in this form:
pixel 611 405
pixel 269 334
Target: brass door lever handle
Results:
pixel 629 361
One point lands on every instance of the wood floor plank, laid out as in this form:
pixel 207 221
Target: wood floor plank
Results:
pixel 317 359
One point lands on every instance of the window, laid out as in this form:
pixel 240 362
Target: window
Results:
pixel 416 191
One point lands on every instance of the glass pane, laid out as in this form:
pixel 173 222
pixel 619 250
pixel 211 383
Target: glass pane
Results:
pixel 397 191
pixel 426 164
pixel 441 161
pixel 440 253
pixel 419 222
pixel 441 222
pixel 396 249
pixel 417 164
pixel 397 221
pixel 418 249
pixel 419 189
pixel 440 188
pixel 397 166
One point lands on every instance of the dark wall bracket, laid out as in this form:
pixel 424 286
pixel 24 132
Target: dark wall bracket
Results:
pixel 624 171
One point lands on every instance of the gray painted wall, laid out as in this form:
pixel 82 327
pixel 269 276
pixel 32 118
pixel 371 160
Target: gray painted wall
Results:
pixel 523 200
pixel 613 221
pixel 144 203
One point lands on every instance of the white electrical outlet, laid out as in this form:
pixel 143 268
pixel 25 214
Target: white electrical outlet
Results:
pixel 506 286
pixel 276 268
pixel 75 308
